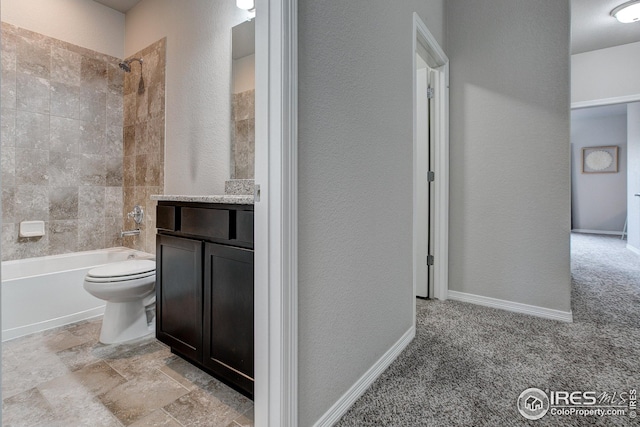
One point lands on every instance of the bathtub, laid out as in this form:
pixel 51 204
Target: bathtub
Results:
pixel 47 292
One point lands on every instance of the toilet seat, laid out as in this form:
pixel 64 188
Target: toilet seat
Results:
pixel 122 271
pixel 118 278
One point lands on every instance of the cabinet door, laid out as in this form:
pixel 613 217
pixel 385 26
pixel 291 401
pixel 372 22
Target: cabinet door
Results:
pixel 228 314
pixel 179 294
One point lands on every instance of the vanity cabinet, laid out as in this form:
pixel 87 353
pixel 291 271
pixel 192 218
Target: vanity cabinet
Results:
pixel 204 287
pixel 179 294
pixel 228 304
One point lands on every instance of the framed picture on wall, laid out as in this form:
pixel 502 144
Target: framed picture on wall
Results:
pixel 600 159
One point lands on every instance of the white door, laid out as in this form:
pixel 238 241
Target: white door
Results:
pixel 424 158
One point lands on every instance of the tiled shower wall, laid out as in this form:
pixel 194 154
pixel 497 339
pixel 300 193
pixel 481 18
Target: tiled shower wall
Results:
pixel 144 141
pixel 243 138
pixel 66 158
pixel 62 115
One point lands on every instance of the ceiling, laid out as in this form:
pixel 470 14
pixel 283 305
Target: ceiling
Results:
pixel 119 5
pixel 592 26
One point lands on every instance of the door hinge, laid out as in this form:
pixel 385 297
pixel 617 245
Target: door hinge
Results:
pixel 431 176
pixel 429 259
pixel 256 193
pixel 431 92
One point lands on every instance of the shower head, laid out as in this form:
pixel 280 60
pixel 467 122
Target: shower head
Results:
pixel 126 65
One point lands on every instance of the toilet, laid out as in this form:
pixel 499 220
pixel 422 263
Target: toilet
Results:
pixel 127 287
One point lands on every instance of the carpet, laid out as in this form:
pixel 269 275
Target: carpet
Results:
pixel 468 364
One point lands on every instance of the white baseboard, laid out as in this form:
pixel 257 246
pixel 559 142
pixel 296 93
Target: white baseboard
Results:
pixel 533 310
pixel 633 249
pixel 344 403
pixel 612 233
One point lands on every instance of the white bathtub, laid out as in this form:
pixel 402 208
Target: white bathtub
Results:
pixel 47 292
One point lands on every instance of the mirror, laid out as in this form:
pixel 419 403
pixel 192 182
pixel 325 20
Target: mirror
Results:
pixel 243 101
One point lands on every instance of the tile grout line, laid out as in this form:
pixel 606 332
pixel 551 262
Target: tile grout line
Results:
pixel 118 372
pixel 171 416
pixel 174 380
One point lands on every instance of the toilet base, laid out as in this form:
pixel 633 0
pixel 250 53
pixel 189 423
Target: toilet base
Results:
pixel 123 321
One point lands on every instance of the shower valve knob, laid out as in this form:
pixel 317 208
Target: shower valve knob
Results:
pixel 137 214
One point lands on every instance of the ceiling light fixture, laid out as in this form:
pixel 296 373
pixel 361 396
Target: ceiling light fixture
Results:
pixel 627 12
pixel 249 4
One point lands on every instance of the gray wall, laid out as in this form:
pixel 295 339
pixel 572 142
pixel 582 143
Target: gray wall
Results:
pixel 633 174
pixel 510 156
pixel 355 197
pixel 599 200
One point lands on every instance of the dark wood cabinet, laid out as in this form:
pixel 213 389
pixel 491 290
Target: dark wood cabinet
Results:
pixel 228 307
pixel 204 287
pixel 179 294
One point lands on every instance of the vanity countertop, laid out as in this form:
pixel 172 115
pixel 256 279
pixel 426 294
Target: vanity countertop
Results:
pixel 224 199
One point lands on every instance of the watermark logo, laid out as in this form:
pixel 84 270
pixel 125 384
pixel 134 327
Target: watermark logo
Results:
pixel 533 403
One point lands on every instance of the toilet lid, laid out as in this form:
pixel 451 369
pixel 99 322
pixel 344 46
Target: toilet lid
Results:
pixel 121 279
pixel 124 269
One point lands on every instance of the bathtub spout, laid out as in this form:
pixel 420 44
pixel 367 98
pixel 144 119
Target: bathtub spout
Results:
pixel 135 232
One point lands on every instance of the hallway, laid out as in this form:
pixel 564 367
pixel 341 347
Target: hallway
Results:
pixel 468 364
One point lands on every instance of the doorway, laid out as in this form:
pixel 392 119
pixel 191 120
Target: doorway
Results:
pixel 425 170
pixel 430 165
pixel 599 195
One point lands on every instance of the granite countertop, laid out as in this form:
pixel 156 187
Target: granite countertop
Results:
pixel 224 198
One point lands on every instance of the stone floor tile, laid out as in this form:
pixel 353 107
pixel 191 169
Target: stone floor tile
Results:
pixel 24 370
pixel 94 380
pixel 73 400
pixel 27 409
pixel 246 419
pixel 85 354
pixel 62 341
pixel 157 418
pixel 87 328
pixel 64 377
pixel 198 408
pixel 228 396
pixel 186 374
pixel 137 398
pixel 140 359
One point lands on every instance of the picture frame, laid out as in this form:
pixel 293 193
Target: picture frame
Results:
pixel 603 159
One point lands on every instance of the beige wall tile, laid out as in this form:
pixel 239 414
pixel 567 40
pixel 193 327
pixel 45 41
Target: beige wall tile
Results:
pixel 66 120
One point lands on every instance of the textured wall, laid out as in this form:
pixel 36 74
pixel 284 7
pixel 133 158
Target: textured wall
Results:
pixel 599 200
pixel 144 119
pixel 198 134
pixel 633 174
pixel 61 145
pixel 80 22
pixel 510 152
pixel 355 197
pixel 605 73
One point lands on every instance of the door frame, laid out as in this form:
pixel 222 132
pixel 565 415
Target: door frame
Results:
pixel 437 60
pixel 276 215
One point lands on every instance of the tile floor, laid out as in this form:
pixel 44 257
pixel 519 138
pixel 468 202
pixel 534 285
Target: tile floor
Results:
pixel 65 378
